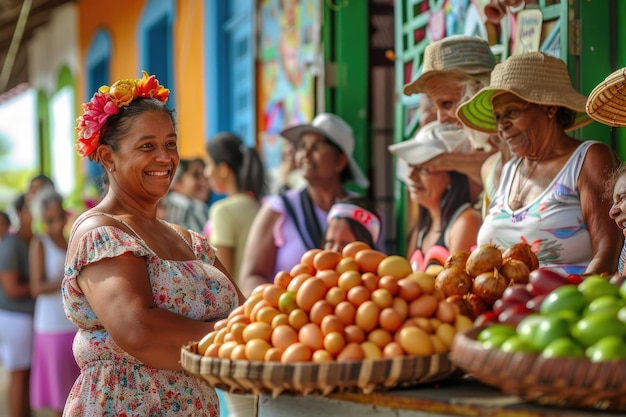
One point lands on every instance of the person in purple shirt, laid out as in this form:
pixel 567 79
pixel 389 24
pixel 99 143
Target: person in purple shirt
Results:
pixel 291 223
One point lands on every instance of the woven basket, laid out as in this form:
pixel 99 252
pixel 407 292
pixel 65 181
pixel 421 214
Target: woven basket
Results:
pixel 564 382
pixel 308 377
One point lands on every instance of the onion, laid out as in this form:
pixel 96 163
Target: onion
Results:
pixel 489 286
pixel 515 271
pixel 458 259
pixel 453 281
pixel 484 258
pixel 478 306
pixel 522 252
pixel 463 305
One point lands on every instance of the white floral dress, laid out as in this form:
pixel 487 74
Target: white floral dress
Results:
pixel 114 383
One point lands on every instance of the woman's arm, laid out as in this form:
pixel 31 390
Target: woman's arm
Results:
pixel 606 239
pixel 37 271
pixel 226 255
pixel 260 254
pixel 119 292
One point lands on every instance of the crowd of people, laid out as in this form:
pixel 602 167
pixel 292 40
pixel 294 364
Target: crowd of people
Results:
pixel 93 313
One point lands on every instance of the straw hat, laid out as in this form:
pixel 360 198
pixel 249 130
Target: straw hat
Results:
pixel 607 102
pixel 457 54
pixel 337 131
pixel 431 140
pixel 534 77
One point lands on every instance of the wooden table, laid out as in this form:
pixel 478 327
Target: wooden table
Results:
pixel 461 396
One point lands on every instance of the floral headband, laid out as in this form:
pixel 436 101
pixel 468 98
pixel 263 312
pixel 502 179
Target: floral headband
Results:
pixel 358 214
pixel 108 101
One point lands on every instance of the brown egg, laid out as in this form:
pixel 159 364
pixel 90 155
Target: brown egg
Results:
pixel 238 311
pixel 236 331
pixel 257 330
pixel 346 264
pixel 326 259
pixel 352 248
pixel 354 333
pixel 415 341
pixel 282 279
pixel 273 354
pixel 213 350
pixel 320 309
pixel 238 352
pixel 220 324
pixel 349 279
pixel 310 291
pixel 371 351
pixel 298 318
pixel 297 281
pixel 284 336
pixel 401 307
pixel 447 312
pixel 367 316
pixel 271 294
pixel 358 295
pixel 331 323
pixel 390 319
pixel 333 342
pixel 226 349
pixel 370 280
pixel 311 335
pixel 260 288
pixel 368 260
pixel 249 304
pixel 408 289
pixel 322 355
pixel 382 297
pixel 345 311
pixel 380 337
pixel 424 306
pixel 390 283
pixel 329 276
pixel 395 265
pixel 257 307
pixel 256 349
pixel 393 350
pixel 298 352
pixel 351 352
pixel 302 269
pixel 308 256
pixel 280 318
pixel 335 295
pixel 208 339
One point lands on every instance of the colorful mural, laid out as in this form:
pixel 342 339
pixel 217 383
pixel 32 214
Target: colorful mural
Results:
pixel 289 57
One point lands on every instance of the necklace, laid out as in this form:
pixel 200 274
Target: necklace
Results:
pixel 517 201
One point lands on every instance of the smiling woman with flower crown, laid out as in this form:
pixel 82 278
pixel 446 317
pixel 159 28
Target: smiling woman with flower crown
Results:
pixel 137 287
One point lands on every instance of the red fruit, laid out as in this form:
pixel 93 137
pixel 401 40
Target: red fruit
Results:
pixel 501 304
pixel 518 293
pixel 514 314
pixel 534 304
pixel 574 279
pixel 544 280
pixel 486 318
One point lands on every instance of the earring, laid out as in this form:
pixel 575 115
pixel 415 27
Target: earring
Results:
pixel 110 169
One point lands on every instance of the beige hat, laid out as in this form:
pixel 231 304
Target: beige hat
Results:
pixel 459 54
pixel 534 77
pixel 337 131
pixel 607 102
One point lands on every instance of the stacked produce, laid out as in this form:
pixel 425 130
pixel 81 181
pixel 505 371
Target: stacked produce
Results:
pixel 354 305
pixel 475 280
pixel 587 320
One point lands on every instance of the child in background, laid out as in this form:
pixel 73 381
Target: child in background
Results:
pixel 54 369
pixel 351 219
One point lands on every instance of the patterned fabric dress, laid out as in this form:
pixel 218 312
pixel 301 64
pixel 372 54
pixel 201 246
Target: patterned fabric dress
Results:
pixel 114 383
pixel 552 224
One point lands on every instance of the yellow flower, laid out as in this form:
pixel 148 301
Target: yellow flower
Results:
pixel 122 92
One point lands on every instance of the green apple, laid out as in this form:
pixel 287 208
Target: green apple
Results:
pixel 595 286
pixel 594 326
pixel 566 297
pixel 608 348
pixel 550 328
pixel 563 347
pixel 517 344
pixel 605 303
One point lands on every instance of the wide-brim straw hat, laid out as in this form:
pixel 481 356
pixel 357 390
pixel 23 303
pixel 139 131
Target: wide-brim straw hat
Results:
pixel 337 131
pixel 461 55
pixel 534 77
pixel 607 102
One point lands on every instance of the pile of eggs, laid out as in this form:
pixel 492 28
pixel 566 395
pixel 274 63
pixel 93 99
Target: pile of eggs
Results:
pixel 355 305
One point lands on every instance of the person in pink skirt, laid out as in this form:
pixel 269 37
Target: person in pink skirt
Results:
pixel 53 369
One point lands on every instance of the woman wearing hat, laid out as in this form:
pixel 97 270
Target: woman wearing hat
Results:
pixel 453 70
pixel 607 104
pixel 447 222
pixel 550 194
pixel 289 224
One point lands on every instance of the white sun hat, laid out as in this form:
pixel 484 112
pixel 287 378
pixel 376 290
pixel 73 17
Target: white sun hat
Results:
pixel 338 132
